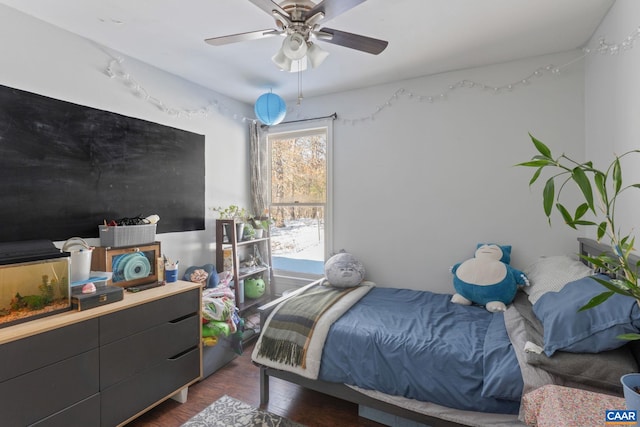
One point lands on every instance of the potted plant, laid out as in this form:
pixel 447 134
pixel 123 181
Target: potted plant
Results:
pixel 249 232
pixel 600 190
pixel 260 225
pixel 231 212
pixel 237 213
pixel 601 202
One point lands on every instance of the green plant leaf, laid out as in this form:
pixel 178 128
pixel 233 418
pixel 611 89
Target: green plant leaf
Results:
pixel 629 337
pixel 583 222
pixel 623 284
pixel 617 175
pixel 581 210
pixel 614 286
pixel 535 176
pixel 536 163
pixel 603 258
pixel 583 182
pixel 631 245
pixel 623 243
pixel 542 149
pixel 600 180
pixel 594 261
pixel 565 215
pixel 597 300
pixel 602 229
pixel 548 194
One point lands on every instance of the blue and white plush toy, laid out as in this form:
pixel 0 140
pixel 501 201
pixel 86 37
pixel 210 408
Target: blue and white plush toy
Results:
pixel 487 279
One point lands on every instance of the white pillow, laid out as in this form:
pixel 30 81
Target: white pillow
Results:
pixel 550 274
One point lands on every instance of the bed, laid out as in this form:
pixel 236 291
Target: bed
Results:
pixel 415 355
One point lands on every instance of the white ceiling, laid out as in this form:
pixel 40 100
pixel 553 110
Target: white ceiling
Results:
pixel 425 37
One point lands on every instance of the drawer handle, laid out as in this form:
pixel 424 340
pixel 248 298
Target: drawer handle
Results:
pixel 179 355
pixel 180 319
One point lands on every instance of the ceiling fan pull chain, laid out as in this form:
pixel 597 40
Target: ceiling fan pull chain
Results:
pixel 299 87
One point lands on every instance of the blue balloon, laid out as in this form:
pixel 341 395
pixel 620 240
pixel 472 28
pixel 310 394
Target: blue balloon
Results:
pixel 270 109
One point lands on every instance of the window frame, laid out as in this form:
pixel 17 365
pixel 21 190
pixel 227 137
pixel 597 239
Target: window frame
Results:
pixel 294 130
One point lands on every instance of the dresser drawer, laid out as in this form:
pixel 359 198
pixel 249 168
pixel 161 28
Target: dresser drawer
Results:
pixel 41 393
pixel 28 354
pixel 136 353
pixel 127 398
pixel 83 414
pixel 133 320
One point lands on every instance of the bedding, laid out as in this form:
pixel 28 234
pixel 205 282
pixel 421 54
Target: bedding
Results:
pixel 591 371
pixel 316 341
pixel 291 328
pixel 599 372
pixel 589 331
pixel 552 273
pixel 419 345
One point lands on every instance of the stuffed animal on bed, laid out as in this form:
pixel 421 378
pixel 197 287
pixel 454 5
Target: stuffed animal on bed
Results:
pixel 343 270
pixel 487 279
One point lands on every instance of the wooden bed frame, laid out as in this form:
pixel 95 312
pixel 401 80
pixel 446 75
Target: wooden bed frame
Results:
pixel 341 391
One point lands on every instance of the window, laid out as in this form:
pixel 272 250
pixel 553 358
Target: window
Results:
pixel 299 195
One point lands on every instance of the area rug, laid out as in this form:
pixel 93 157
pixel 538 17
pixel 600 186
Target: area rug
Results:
pixel 229 412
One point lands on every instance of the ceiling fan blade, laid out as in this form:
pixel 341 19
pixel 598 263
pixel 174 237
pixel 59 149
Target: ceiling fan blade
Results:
pixel 333 8
pixel 269 6
pixel 353 41
pixel 241 37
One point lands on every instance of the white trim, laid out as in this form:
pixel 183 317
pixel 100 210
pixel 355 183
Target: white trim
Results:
pixel 297 129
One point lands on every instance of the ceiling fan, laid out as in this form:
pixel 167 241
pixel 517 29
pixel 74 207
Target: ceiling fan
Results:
pixel 299 22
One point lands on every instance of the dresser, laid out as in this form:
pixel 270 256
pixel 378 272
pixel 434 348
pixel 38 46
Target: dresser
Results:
pixel 103 366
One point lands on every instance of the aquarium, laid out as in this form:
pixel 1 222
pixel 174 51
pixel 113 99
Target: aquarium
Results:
pixel 33 289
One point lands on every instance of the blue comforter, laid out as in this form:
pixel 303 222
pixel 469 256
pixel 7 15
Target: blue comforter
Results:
pixel 421 346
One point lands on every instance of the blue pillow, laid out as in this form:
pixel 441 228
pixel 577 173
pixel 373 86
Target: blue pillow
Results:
pixel 590 331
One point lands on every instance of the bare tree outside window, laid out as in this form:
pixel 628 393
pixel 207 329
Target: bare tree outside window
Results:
pixel 298 197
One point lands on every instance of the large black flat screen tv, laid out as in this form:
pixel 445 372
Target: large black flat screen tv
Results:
pixel 65 168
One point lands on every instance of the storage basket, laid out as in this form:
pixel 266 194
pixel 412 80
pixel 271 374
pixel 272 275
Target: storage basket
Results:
pixel 127 235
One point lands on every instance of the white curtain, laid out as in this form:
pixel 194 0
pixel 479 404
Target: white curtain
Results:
pixel 259 170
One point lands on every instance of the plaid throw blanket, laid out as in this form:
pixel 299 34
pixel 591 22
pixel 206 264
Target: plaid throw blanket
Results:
pixel 286 339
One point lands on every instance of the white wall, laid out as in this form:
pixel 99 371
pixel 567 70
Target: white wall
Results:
pixel 613 105
pixel 43 59
pixel 418 187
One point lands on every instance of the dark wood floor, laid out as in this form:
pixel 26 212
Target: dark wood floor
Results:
pixel 240 379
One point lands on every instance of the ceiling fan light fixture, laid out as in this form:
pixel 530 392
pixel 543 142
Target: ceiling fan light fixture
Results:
pixel 285 64
pixel 316 55
pixel 281 60
pixel 294 46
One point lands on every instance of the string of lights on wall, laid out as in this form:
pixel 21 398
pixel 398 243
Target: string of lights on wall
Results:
pixel 115 70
